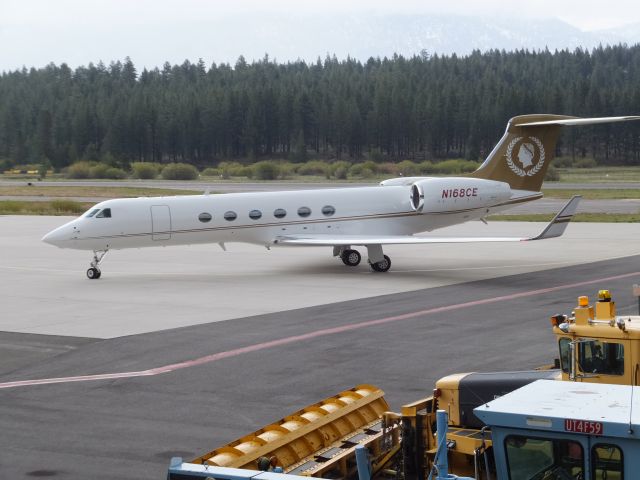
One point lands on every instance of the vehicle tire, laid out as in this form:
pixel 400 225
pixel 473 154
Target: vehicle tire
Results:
pixel 93 273
pixel 382 266
pixel 351 258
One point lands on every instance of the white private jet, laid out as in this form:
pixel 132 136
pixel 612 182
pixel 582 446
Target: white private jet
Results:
pixel 390 213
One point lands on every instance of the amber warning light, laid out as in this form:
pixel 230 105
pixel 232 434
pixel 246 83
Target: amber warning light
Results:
pixel 583 426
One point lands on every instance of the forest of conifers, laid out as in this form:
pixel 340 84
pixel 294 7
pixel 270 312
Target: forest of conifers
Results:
pixel 424 107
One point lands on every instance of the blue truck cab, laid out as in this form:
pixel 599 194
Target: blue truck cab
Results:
pixel 565 430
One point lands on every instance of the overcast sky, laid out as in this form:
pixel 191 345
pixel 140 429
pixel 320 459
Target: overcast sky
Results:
pixel 36 32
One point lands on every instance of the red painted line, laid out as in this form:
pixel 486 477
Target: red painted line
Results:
pixel 306 336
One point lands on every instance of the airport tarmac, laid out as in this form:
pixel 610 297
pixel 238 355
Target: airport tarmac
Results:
pixel 178 350
pixel 45 291
pixel 122 407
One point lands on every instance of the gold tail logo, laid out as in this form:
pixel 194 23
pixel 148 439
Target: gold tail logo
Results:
pixel 530 155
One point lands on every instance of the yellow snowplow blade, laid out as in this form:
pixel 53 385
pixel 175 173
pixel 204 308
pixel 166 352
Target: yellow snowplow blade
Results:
pixel 298 436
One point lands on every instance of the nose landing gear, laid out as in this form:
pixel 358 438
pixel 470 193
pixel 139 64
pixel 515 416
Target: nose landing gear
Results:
pixel 94 272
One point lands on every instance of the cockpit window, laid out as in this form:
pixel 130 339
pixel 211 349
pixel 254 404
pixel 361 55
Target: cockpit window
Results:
pixel 105 213
pixel 92 212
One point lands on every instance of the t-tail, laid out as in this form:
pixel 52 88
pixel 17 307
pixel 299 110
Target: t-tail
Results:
pixel 526 149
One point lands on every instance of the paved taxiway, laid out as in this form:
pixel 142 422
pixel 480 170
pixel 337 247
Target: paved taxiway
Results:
pixel 270 365
pixel 45 291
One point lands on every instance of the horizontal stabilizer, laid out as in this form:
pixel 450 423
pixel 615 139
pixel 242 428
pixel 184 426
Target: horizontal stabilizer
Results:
pixel 578 121
pixel 555 228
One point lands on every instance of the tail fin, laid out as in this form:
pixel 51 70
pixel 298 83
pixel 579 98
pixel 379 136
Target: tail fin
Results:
pixel 524 152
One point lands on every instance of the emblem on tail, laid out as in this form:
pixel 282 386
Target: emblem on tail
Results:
pixel 526 156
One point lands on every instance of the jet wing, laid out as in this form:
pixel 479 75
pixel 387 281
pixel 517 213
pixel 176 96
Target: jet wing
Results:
pixel 555 228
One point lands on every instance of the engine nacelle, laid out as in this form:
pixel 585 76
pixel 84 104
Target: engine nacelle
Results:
pixel 435 195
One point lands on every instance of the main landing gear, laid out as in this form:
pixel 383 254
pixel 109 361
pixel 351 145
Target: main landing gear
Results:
pixel 382 266
pixel 352 258
pixel 94 272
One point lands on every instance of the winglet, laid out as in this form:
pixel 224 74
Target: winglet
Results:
pixel 558 225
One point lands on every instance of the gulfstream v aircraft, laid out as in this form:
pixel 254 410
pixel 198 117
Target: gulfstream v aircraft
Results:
pixel 390 213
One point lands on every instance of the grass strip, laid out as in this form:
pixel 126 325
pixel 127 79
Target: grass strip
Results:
pixel 594 193
pixel 600 174
pixel 53 207
pixel 580 217
pixel 82 191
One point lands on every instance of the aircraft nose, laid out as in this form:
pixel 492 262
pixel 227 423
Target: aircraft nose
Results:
pixel 60 236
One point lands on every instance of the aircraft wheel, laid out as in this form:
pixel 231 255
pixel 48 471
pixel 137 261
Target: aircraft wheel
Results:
pixel 382 266
pixel 351 258
pixel 93 273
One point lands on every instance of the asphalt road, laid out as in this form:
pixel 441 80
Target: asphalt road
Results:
pixel 128 428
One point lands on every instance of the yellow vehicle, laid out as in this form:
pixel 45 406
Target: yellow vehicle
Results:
pixel 596 345
pixel 320 440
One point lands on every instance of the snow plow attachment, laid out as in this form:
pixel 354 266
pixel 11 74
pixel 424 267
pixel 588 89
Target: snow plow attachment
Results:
pixel 313 439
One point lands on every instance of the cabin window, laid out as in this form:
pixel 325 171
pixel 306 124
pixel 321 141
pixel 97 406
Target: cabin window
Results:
pixel 607 461
pixel 105 213
pixel 304 211
pixel 328 210
pixel 529 457
pixel 601 357
pixel 280 213
pixel 255 214
pixel 565 354
pixel 92 212
pixel 230 216
pixel 205 217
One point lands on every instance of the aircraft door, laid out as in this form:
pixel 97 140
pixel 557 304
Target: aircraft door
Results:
pixel 160 222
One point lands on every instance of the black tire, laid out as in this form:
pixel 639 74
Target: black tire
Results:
pixel 382 266
pixel 93 273
pixel 351 258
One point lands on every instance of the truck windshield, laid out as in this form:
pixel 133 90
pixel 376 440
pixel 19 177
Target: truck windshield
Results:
pixel 606 358
pixel 531 458
pixel 601 357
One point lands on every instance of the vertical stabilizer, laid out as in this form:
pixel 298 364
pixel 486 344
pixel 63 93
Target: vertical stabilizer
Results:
pixel 524 152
